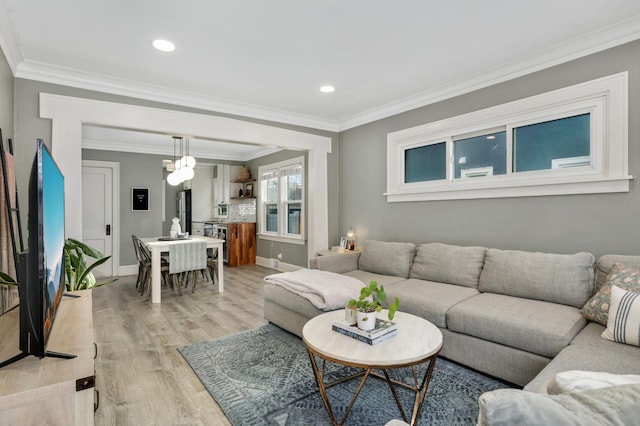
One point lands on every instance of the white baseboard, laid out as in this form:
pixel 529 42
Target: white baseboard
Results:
pixel 128 270
pixel 280 265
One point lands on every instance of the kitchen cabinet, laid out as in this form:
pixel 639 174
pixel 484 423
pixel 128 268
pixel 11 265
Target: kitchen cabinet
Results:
pixel 241 243
pixel 223 189
pixel 220 185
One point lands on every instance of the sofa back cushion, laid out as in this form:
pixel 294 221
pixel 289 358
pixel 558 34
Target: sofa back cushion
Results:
pixel 607 262
pixel 558 278
pixel 449 264
pixel 387 258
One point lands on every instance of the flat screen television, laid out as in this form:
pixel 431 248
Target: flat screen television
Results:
pixel 41 268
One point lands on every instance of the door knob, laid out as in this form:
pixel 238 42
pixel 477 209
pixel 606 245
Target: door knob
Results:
pixel 108 229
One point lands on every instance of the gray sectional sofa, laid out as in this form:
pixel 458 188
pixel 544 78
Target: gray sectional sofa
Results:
pixel 511 314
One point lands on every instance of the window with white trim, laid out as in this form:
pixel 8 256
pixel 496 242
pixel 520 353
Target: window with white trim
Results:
pixel 281 201
pixel 569 141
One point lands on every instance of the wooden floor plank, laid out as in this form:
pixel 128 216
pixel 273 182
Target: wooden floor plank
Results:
pixel 141 377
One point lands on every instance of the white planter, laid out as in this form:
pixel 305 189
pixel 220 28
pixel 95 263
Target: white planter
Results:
pixel 350 315
pixel 366 320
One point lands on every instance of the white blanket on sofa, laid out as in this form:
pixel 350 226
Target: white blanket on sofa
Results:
pixel 325 290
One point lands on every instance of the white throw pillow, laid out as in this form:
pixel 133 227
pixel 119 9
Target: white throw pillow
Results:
pixel 577 381
pixel 623 324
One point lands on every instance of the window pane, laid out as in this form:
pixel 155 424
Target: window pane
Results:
pixel 484 155
pixel 294 212
pixel 425 163
pixel 293 182
pixel 272 189
pixel 272 217
pixel 552 144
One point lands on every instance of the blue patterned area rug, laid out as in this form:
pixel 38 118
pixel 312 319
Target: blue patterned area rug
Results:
pixel 264 377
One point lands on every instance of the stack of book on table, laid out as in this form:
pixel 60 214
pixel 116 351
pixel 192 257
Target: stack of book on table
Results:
pixel 382 331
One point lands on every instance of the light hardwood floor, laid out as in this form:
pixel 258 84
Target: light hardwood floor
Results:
pixel 141 377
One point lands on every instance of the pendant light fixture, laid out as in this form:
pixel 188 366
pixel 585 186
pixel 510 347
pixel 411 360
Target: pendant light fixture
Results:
pixel 184 163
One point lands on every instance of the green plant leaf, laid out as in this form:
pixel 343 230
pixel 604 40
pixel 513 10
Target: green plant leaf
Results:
pixel 75 244
pixel 7 279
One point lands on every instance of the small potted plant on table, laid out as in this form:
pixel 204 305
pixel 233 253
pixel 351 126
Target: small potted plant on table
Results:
pixel 369 303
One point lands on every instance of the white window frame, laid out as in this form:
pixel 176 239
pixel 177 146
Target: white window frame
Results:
pixel 606 99
pixel 282 235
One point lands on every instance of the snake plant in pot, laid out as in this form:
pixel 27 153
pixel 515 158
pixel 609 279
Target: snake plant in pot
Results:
pixel 370 302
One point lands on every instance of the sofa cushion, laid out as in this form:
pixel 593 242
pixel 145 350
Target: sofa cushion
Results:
pixel 614 360
pixel 623 325
pixel 535 326
pixel 448 264
pixel 283 297
pixel 614 405
pixel 557 278
pixel 338 263
pixel 580 380
pixel 597 308
pixel 387 258
pixel 427 299
pixel 367 277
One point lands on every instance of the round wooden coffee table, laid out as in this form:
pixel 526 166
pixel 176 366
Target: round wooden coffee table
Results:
pixel 418 341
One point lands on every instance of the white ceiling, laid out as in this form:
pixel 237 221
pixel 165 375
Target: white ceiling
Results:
pixel 267 59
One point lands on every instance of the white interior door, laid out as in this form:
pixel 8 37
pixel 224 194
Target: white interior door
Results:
pixel 97 214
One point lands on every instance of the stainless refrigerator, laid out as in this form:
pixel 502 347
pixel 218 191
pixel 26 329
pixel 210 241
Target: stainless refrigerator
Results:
pixel 183 209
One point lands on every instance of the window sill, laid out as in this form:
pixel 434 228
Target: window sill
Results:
pixel 280 239
pixel 514 188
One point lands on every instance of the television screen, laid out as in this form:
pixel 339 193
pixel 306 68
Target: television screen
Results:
pixel 51 257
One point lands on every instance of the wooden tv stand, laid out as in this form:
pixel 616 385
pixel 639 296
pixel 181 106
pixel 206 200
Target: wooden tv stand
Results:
pixel 57 391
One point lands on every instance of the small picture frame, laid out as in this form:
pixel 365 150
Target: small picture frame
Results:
pixel 139 199
pixel 248 190
pixel 343 242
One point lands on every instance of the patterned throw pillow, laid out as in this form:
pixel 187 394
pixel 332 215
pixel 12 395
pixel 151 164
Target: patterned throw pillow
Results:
pixel 597 308
pixel 623 325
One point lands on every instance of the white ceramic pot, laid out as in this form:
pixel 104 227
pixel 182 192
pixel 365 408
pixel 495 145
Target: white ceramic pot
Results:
pixel 366 320
pixel 350 315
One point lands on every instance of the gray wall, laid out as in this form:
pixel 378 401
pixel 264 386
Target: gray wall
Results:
pixel 29 127
pixel 6 124
pixel 598 223
pixel 6 98
pixel 139 170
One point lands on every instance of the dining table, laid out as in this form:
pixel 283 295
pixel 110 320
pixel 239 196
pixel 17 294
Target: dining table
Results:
pixel 159 245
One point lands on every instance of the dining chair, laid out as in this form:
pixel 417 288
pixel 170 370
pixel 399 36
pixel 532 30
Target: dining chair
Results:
pixel 212 266
pixel 145 255
pixel 142 267
pixel 185 260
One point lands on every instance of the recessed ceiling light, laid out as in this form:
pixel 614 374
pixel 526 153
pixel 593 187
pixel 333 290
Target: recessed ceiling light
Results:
pixel 327 89
pixel 164 45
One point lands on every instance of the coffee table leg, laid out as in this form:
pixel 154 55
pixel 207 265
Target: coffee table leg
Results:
pixel 320 381
pixel 422 392
pixel 319 375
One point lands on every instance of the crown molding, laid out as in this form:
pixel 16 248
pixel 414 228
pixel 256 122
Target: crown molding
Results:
pixel 8 41
pixel 587 44
pixel 47 73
